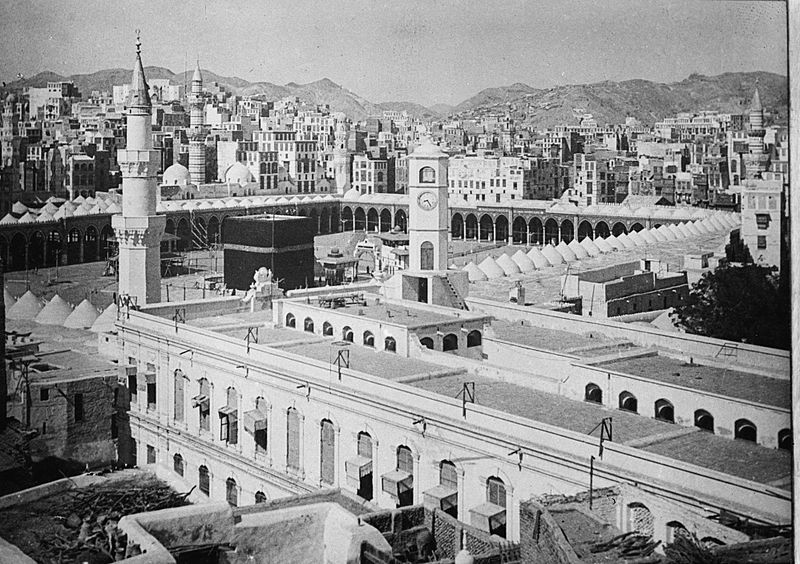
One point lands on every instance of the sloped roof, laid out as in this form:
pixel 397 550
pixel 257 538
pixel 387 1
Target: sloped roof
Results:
pixel 82 317
pixel 27 307
pixel 55 312
pixel 509 266
pixel 106 320
pixel 491 269
pixel 539 260
pixel 8 300
pixel 577 248
pixel 563 249
pixel 524 263
pixel 552 255
pixel 474 273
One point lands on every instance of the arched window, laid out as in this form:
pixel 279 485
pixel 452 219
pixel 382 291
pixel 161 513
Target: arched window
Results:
pixel 675 530
pixel 474 338
pixel 290 322
pixel 745 430
pixel 369 339
pixel 664 410
pixel 628 402
pixel 229 418
pixel 364 448
pixel 785 439
pixel 448 479
pixel 450 342
pixel 496 491
pixel 640 518
pixel 389 344
pixel 327 452
pixel 347 334
pixel 203 402
pixel 308 325
pixel 203 480
pixel 179 393
pixel 704 420
pixel 177 464
pixel 260 429
pixel 293 439
pixel 426 256
pixel 496 495
pixel 426 342
pixel 261 497
pixel 404 488
pixel 427 175
pixel 379 176
pixel 593 393
pixel 231 492
pixel 327 329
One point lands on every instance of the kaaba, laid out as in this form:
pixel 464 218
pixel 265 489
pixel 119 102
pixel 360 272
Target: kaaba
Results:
pixel 282 243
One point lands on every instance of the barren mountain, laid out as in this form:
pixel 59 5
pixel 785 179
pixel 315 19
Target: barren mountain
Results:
pixel 608 102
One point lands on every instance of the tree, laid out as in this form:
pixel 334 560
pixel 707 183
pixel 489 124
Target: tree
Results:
pixel 739 303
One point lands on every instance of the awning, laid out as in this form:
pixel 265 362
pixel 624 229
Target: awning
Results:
pixel 356 468
pixel 396 482
pixel 255 420
pixel 227 411
pixel 488 517
pixel 441 497
pixel 150 377
pixel 200 401
pixel 123 372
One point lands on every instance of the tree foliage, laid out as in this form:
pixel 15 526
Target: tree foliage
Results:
pixel 739 303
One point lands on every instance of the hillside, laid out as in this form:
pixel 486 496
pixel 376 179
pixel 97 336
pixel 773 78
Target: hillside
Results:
pixel 612 102
pixel 609 102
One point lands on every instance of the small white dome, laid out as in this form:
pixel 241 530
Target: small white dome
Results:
pixel 239 174
pixel 176 175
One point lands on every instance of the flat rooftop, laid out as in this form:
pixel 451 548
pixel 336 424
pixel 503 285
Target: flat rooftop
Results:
pixel 552 340
pixel 735 457
pixel 362 359
pixel 722 381
pixel 406 315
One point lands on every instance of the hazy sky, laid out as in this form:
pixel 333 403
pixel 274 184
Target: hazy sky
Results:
pixel 426 51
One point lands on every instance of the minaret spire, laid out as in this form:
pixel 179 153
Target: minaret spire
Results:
pixel 139 228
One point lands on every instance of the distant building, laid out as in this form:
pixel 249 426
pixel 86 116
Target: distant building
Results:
pixel 763 222
pixel 626 288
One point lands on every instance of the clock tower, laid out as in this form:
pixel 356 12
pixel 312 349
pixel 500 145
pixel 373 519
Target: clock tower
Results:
pixel 428 216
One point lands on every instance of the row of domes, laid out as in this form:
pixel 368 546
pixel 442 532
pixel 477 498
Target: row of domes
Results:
pixel 58 311
pixel 536 259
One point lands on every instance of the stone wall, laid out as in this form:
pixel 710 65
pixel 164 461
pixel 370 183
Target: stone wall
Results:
pixel 541 539
pixel 401 526
pixel 87 440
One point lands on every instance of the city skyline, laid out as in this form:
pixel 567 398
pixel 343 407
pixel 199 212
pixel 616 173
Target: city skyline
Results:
pixel 399 52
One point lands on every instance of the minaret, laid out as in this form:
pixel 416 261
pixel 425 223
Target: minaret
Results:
pixel 197 148
pixel 341 169
pixel 139 229
pixel 428 217
pixel 756 138
pixel 10 132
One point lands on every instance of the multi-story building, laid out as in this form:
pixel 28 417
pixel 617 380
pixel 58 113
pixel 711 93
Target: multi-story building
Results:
pixel 370 175
pixel 297 160
pixel 763 221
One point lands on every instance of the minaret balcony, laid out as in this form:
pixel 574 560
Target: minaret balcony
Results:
pixel 136 162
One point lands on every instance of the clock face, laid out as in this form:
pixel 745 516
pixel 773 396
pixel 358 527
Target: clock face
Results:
pixel 427 200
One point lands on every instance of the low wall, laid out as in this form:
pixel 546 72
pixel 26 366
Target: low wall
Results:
pixel 192 309
pixel 775 361
pixel 544 541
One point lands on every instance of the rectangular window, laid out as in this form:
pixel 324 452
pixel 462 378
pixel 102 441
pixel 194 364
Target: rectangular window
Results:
pixel 762 220
pixel 44 394
pixel 762 241
pixel 78 404
pixel 151 454
pixel 151 395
